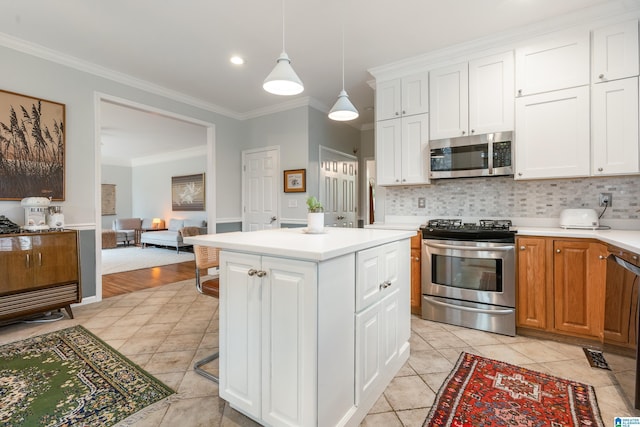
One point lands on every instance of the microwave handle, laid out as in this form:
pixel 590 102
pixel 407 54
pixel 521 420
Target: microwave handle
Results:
pixel 490 154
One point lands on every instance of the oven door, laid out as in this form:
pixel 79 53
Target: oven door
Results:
pixel 481 272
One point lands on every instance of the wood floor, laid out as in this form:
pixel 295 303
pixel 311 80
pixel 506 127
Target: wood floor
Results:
pixel 129 281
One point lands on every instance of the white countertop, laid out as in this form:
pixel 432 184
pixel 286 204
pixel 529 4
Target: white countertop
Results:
pixel 296 243
pixel 624 239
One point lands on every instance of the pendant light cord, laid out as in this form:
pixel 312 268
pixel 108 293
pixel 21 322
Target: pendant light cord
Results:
pixel 343 55
pixel 283 26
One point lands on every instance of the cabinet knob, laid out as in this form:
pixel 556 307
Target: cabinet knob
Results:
pixel 404 112
pixel 519 173
pixel 463 132
pixel 519 92
pixel 522 248
pixel 601 257
pixel 404 180
pixel 634 257
pixel 397 114
pixel 397 180
pixel 473 131
pixel 416 258
pixel 252 272
pixel 601 76
pixel 557 251
pixel 385 284
pixel 261 273
pixel 599 169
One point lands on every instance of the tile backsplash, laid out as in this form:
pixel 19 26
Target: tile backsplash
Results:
pixel 504 197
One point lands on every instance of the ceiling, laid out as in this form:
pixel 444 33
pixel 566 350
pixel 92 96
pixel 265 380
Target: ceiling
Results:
pixel 184 47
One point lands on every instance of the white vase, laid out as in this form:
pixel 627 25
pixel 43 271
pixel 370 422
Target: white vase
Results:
pixel 315 222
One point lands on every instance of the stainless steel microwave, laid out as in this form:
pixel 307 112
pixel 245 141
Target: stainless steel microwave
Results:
pixel 476 155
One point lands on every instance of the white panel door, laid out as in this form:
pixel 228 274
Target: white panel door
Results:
pixel 448 98
pixel 415 94
pixel 367 350
pixel 388 151
pixel 388 100
pixel 614 121
pixel 557 61
pixel 339 188
pixel 289 342
pixel 615 52
pixel 261 174
pixel 415 149
pixel 240 320
pixel 491 98
pixel 553 134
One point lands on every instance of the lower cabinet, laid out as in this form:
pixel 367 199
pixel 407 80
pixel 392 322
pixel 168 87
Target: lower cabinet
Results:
pixel 295 351
pixel 561 285
pixel 38 272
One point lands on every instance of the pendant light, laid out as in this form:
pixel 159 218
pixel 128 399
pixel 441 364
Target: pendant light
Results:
pixel 343 110
pixel 283 80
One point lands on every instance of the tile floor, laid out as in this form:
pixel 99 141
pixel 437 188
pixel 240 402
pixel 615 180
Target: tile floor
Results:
pixel 165 329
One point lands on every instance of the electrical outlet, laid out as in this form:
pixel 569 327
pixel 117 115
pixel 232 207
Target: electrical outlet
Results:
pixel 605 199
pixel 421 202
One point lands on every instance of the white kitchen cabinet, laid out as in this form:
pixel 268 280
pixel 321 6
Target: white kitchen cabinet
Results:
pixel 556 61
pixel 472 98
pixel 402 150
pixel 381 319
pixel 615 52
pixel 402 97
pixel 614 127
pixel 553 134
pixel 268 313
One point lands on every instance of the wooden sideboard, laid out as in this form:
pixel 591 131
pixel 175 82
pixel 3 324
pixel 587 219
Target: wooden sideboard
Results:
pixel 39 272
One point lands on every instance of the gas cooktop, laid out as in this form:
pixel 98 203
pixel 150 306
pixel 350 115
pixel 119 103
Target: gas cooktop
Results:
pixel 456 229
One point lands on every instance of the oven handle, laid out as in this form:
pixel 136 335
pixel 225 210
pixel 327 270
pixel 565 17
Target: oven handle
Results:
pixel 471 248
pixel 464 308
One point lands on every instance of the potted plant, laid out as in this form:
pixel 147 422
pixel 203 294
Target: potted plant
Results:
pixel 315 217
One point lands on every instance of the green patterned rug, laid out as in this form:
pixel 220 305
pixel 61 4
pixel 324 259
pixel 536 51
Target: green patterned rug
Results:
pixel 71 378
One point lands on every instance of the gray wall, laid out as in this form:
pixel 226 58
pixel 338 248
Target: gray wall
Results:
pixel 121 176
pixel 30 75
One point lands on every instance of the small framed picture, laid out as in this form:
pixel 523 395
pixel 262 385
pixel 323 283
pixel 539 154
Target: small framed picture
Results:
pixel 295 181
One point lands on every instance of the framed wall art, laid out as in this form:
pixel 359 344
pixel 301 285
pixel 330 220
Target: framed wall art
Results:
pixel 295 181
pixel 32 147
pixel 187 193
pixel 108 198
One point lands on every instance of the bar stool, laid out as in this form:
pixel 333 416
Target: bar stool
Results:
pixel 207 257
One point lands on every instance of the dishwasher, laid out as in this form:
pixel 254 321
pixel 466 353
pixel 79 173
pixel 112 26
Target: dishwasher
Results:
pixel 621 322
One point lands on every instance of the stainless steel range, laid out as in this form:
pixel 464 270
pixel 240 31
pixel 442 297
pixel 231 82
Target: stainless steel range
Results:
pixel 468 274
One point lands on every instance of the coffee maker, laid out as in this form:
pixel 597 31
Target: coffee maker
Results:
pixel 35 213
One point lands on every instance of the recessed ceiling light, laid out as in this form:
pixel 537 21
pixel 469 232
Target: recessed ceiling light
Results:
pixel 237 60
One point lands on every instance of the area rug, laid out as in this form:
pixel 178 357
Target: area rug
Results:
pixel 130 258
pixel 71 378
pixel 486 392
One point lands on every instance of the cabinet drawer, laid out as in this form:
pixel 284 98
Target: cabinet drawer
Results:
pixel 376 274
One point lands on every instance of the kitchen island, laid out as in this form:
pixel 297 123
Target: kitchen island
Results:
pixel 313 327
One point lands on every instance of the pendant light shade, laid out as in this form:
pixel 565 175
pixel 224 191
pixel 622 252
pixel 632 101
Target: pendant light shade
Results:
pixel 283 80
pixel 343 110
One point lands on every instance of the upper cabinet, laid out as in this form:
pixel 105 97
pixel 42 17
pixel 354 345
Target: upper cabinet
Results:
pixel 553 134
pixel 614 127
pixel 472 98
pixel 402 97
pixel 615 52
pixel 557 61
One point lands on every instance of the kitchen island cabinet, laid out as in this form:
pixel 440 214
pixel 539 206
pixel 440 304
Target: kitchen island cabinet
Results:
pixel 312 326
pixel 561 285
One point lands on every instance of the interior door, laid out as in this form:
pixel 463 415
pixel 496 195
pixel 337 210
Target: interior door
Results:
pixel 339 188
pixel 261 178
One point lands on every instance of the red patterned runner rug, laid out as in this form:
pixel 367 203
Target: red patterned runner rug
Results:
pixel 486 392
